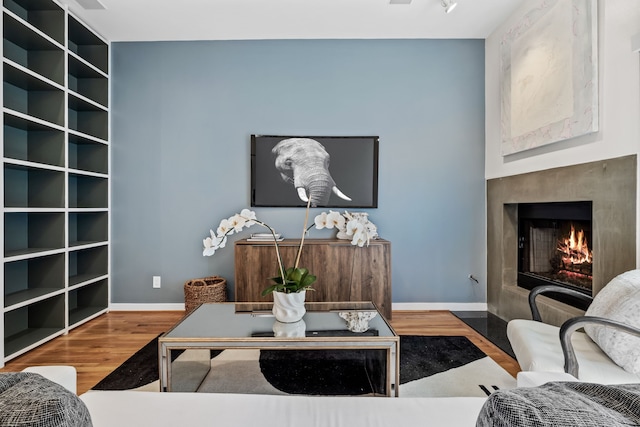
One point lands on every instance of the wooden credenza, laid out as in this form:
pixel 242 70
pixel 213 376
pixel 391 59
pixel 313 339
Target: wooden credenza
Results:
pixel 345 272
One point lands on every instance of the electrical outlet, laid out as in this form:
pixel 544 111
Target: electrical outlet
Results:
pixel 156 282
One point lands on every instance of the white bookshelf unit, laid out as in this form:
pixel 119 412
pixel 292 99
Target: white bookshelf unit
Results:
pixel 55 181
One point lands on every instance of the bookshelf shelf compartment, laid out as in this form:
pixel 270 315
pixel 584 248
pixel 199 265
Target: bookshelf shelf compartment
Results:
pixel 30 141
pixel 32 278
pixel 88 300
pixel 29 95
pixel 88 82
pixel 32 51
pixel 29 232
pixel 44 15
pixel 88 155
pixel 88 227
pixel 27 187
pixel 26 326
pixel 84 43
pixel 88 192
pixel 88 118
pixel 88 264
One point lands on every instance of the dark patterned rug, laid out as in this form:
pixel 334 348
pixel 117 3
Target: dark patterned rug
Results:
pixel 327 372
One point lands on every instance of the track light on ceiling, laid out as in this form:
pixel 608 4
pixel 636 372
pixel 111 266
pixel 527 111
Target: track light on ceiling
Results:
pixel 449 5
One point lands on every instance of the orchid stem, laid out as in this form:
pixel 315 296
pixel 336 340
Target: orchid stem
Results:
pixel 304 231
pixel 275 243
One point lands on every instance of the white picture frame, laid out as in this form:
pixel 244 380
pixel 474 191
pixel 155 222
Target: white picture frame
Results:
pixel 549 75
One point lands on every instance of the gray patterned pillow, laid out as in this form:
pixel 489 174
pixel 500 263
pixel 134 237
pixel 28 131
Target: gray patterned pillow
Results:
pixel 619 300
pixel 563 404
pixel 29 399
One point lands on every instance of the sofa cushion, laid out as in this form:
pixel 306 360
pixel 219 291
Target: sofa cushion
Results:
pixel 619 300
pixel 537 348
pixel 29 399
pixel 143 408
pixel 563 404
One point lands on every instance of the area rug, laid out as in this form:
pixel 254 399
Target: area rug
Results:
pixel 429 366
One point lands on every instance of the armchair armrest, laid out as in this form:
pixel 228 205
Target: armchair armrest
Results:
pixel 571 325
pixel 535 313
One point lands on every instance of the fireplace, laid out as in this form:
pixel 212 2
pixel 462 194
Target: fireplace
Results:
pixel 610 185
pixel 554 247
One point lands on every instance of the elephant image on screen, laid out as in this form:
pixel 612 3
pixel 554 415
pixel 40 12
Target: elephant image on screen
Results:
pixel 288 171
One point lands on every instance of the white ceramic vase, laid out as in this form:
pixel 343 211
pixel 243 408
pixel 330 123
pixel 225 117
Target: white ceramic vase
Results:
pixel 289 308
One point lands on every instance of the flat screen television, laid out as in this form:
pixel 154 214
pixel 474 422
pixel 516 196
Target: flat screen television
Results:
pixel 331 171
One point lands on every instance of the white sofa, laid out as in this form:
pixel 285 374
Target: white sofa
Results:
pixel 537 348
pixel 607 352
pixel 147 408
pixel 141 408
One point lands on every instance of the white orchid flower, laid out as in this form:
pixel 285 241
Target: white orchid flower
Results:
pixel 249 216
pixel 237 222
pixel 371 229
pixel 221 241
pixel 213 243
pixel 209 246
pixel 224 228
pixel 354 227
pixel 359 238
pixel 335 219
pixel 321 221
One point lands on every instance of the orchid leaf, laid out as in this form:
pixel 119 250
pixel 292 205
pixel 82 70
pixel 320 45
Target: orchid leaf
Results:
pixel 295 280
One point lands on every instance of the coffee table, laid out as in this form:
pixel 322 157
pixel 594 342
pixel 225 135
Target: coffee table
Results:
pixel 220 326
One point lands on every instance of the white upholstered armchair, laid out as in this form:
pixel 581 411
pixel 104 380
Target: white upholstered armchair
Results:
pixel 607 352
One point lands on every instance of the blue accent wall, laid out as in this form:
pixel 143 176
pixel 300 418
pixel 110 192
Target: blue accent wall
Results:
pixel 183 113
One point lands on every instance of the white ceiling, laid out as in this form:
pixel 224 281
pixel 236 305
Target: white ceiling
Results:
pixel 152 20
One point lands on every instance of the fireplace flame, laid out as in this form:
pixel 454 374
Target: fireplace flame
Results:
pixel 575 249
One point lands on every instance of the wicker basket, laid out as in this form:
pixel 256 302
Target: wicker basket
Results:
pixel 200 291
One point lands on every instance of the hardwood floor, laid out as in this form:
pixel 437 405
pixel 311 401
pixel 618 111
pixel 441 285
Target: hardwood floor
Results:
pixel 101 345
pixel 445 323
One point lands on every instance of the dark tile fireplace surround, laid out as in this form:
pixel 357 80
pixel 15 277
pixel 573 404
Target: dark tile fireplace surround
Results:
pixel 610 187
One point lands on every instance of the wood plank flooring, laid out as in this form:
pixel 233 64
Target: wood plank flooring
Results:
pixel 102 344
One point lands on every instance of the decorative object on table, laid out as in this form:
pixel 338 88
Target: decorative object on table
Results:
pixel 289 330
pixel 331 171
pixel 357 321
pixel 549 75
pixel 292 280
pixel 265 237
pixel 353 226
pixel 201 291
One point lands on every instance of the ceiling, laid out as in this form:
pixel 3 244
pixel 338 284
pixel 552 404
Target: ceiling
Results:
pixel 154 20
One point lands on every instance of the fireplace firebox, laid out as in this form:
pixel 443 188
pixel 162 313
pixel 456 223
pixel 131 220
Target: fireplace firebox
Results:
pixel 554 247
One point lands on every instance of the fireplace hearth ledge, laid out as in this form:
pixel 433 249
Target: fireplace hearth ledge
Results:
pixel 609 184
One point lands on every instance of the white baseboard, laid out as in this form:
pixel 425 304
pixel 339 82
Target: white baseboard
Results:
pixel 451 306
pixel 408 306
pixel 146 307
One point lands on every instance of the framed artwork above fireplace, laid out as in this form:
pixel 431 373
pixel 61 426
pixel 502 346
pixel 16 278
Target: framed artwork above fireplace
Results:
pixel 549 75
